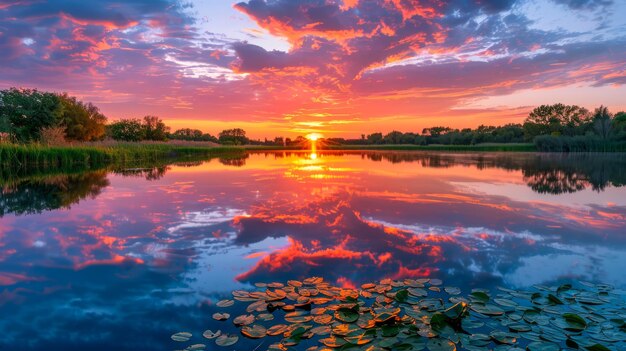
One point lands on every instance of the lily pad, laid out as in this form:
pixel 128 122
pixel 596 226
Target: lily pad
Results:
pixel 254 331
pixel 225 303
pixel 221 316
pixel 226 340
pixel 209 334
pixel 181 337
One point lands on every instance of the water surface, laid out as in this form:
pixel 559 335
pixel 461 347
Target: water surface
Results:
pixel 120 258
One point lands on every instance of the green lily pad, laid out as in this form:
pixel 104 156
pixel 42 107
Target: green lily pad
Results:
pixel 346 315
pixel 209 334
pixel 181 337
pixel 225 303
pixel 441 345
pixel 542 346
pixel 226 340
pixel 254 331
pixel 221 316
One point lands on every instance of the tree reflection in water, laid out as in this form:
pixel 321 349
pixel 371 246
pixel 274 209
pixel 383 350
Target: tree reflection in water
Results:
pixel 23 192
pixel 543 173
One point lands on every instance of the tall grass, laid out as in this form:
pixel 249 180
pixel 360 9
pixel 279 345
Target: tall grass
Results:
pixel 548 143
pixel 91 156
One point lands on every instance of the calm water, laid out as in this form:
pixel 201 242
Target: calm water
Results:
pixel 119 259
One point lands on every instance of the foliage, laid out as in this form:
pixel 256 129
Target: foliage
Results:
pixel 53 136
pixel 619 126
pixel 127 130
pixel 588 143
pixel 602 123
pixel 154 129
pixel 24 113
pixel 192 135
pixel 235 136
pixel 68 156
pixel 419 314
pixel 82 121
pixel 557 119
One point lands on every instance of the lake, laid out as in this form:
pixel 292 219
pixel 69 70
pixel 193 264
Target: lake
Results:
pixel 120 258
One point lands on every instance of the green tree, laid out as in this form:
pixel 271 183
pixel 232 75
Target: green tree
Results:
pixel 191 135
pixel 155 129
pixel 602 122
pixel 394 137
pixel 375 138
pixel 233 137
pixel 25 112
pixel 82 121
pixel 187 134
pixel 127 130
pixel 619 125
pixel 557 119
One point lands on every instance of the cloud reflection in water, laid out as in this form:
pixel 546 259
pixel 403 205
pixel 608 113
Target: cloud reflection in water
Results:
pixel 128 256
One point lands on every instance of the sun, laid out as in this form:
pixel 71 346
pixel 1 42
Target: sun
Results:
pixel 314 136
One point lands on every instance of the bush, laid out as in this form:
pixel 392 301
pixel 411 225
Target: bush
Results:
pixel 587 143
pixel 53 136
pixel 127 130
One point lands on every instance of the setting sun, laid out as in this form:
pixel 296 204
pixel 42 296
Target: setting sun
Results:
pixel 314 136
pixel 313 174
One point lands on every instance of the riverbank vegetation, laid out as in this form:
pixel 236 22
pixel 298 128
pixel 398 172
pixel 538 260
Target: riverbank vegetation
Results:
pixel 30 116
pixel 12 155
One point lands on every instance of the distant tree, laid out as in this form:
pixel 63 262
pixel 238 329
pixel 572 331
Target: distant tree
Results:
pixel 233 137
pixel 279 141
pixel 375 138
pixel 619 125
pixel 557 119
pixel 191 135
pixel 602 122
pixel 435 131
pixel 25 112
pixel 82 121
pixel 127 130
pixel 186 134
pixel 394 137
pixel 155 129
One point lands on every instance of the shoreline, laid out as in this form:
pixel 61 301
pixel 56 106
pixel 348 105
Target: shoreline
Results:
pixel 87 156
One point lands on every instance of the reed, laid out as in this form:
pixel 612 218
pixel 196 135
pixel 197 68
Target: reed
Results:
pixel 91 156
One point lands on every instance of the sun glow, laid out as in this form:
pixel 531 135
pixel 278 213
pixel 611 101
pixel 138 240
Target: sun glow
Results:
pixel 314 136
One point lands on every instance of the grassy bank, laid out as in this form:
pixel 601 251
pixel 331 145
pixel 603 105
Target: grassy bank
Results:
pixel 92 156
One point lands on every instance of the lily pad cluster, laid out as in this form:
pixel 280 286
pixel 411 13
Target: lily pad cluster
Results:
pixel 420 314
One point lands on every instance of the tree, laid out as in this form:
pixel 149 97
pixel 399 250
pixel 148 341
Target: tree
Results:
pixel 155 129
pixel 82 121
pixel 557 119
pixel 375 138
pixel 192 135
pixel 602 122
pixel 619 125
pixel 25 112
pixel 233 137
pixel 394 137
pixel 127 130
pixel 187 134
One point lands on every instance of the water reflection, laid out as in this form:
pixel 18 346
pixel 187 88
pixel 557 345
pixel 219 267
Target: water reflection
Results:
pixel 119 258
pixel 29 196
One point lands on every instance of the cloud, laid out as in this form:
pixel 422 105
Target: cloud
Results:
pixel 347 59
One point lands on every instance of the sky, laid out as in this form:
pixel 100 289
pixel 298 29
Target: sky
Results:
pixel 335 67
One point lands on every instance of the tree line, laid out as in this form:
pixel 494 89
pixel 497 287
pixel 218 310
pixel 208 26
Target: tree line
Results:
pixel 558 124
pixel 28 115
